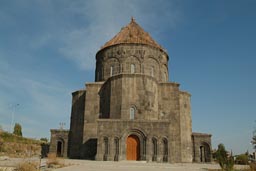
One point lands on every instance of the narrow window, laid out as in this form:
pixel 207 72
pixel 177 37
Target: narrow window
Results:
pixel 111 71
pixel 132 68
pixel 132 112
pixel 152 71
pixel 154 141
pixel 117 149
pixel 165 148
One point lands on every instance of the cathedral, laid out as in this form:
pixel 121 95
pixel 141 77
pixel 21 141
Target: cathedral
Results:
pixel 132 111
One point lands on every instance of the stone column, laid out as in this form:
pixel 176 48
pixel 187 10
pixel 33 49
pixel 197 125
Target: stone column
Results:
pixel 99 155
pixel 111 149
pixel 149 149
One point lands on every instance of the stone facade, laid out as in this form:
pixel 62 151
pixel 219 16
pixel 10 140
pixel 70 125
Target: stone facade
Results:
pixel 132 111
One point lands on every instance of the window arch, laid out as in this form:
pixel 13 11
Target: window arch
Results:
pixel 111 71
pixel 154 141
pixel 132 112
pixel 116 141
pixel 133 68
pixel 152 71
pixel 165 150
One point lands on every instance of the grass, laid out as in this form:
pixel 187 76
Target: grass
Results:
pixel 8 137
pixel 27 166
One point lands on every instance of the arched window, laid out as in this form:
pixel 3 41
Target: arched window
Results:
pixel 111 71
pixel 132 112
pixel 165 150
pixel 132 68
pixel 154 141
pixel 152 71
pixel 116 149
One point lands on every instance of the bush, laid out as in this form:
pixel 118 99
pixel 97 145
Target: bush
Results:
pixel 242 159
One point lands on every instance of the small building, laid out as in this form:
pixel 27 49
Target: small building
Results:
pixel 132 111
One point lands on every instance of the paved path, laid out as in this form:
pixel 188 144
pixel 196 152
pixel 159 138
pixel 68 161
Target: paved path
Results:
pixel 83 165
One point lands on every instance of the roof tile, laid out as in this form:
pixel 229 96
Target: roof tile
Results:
pixel 132 33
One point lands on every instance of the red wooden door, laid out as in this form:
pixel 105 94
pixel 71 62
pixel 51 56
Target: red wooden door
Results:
pixel 132 148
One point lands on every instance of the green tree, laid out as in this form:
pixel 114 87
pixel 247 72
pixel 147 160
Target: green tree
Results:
pixel 44 140
pixel 226 162
pixel 17 129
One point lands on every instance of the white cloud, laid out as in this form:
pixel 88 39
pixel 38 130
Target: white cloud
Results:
pixel 106 19
pixel 43 103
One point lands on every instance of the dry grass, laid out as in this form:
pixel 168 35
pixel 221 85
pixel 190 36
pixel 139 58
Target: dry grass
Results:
pixel 53 161
pixel 16 146
pixel 27 166
pixel 253 166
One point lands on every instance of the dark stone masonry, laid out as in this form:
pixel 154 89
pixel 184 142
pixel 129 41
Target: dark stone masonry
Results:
pixel 132 111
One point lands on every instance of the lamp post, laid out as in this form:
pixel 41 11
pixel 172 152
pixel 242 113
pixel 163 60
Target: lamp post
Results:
pixel 13 108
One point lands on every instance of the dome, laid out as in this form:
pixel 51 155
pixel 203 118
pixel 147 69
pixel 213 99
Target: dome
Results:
pixel 132 33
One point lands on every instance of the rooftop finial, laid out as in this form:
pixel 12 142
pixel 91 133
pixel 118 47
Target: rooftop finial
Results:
pixel 132 20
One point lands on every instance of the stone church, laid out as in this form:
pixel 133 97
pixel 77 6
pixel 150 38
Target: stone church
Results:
pixel 132 111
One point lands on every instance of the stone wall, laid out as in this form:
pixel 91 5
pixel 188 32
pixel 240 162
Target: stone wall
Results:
pixel 118 59
pixel 112 130
pixel 91 114
pixel 76 124
pixel 185 127
pixel 120 93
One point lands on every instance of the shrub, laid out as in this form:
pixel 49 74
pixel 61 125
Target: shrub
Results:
pixel 242 159
pixel 226 163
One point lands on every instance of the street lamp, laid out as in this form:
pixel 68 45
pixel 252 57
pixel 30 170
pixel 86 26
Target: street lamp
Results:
pixel 13 107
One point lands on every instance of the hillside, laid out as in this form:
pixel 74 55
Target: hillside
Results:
pixel 16 146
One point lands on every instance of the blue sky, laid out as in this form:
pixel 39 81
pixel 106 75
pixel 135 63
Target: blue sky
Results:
pixel 47 51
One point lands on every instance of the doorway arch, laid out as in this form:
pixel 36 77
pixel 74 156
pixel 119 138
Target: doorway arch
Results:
pixel 60 148
pixel 205 152
pixel 132 147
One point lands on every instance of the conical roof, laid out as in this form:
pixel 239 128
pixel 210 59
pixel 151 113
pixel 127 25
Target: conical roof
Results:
pixel 132 33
